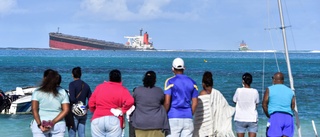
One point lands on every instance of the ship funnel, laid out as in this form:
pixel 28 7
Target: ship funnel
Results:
pixel 146 38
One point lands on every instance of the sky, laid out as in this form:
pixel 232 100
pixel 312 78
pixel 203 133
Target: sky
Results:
pixel 171 24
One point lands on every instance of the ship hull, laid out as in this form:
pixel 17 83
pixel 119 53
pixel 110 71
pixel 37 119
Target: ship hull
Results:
pixel 243 49
pixel 68 42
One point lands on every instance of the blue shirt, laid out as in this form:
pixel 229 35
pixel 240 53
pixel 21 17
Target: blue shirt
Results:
pixel 280 98
pixel 182 89
pixel 77 86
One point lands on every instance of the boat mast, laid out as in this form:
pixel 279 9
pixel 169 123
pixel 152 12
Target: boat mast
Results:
pixel 140 39
pixel 283 28
pixel 141 31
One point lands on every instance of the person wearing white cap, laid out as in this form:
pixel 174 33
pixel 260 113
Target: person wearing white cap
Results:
pixel 181 97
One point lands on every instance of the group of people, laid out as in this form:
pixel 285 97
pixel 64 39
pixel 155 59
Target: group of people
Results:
pixel 53 109
pixel 177 110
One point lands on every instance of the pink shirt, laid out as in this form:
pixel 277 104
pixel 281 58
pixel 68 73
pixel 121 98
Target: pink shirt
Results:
pixel 110 95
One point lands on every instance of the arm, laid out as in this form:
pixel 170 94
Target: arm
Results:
pixel 127 101
pixel 92 101
pixel 235 96
pixel 293 103
pixel 194 100
pixel 167 95
pixel 194 104
pixel 35 111
pixel 89 92
pixel 265 103
pixel 72 92
pixel 167 102
pixel 257 99
pixel 62 114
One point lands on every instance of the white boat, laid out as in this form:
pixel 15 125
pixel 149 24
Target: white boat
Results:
pixel 243 46
pixel 17 101
pixel 141 42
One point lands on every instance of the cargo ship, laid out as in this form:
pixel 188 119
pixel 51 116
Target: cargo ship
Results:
pixel 61 41
pixel 243 46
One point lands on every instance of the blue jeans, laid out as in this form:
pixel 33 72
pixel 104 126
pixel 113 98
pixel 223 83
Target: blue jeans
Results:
pixel 106 126
pixel 181 127
pixel 58 130
pixel 80 124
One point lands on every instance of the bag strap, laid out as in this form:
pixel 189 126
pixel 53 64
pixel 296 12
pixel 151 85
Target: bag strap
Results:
pixel 80 90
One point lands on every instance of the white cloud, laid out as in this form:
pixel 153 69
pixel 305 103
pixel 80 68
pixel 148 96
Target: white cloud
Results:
pixel 6 6
pixel 112 9
pixel 137 10
pixel 153 8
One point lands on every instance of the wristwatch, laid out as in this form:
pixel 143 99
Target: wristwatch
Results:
pixel 39 125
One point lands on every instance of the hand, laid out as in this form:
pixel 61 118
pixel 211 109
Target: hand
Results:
pixel 124 124
pixel 116 112
pixel 44 129
pixel 47 124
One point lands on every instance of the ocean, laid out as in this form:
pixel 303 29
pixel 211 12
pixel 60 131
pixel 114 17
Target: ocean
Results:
pixel 24 67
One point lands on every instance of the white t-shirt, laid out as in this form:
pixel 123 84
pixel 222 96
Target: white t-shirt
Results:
pixel 246 100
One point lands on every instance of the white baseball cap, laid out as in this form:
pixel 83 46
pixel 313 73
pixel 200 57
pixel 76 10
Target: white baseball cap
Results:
pixel 178 63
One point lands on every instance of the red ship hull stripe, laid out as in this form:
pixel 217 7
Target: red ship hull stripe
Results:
pixel 68 46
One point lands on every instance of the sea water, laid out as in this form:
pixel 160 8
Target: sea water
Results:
pixel 22 67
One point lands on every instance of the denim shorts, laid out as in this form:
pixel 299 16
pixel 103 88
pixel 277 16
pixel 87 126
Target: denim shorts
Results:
pixel 242 127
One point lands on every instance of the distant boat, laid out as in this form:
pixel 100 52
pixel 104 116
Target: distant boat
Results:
pixel 17 101
pixel 243 46
pixel 68 42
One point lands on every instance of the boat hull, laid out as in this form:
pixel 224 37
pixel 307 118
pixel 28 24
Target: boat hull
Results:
pixel 18 101
pixel 243 48
pixel 69 42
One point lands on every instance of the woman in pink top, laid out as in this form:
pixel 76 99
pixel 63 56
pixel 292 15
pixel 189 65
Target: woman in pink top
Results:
pixel 109 101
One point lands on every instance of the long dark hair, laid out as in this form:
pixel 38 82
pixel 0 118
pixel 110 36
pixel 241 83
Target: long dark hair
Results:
pixel 207 79
pixel 46 72
pixel 50 82
pixel 149 79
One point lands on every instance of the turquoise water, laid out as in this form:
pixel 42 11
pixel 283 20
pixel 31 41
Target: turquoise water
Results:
pixel 25 68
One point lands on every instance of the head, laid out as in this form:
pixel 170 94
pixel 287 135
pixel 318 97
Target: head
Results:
pixel 207 80
pixel 278 78
pixel 149 79
pixel 46 72
pixel 115 76
pixel 51 82
pixel 247 79
pixel 76 72
pixel 178 65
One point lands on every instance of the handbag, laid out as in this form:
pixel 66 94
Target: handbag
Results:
pixel 79 109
